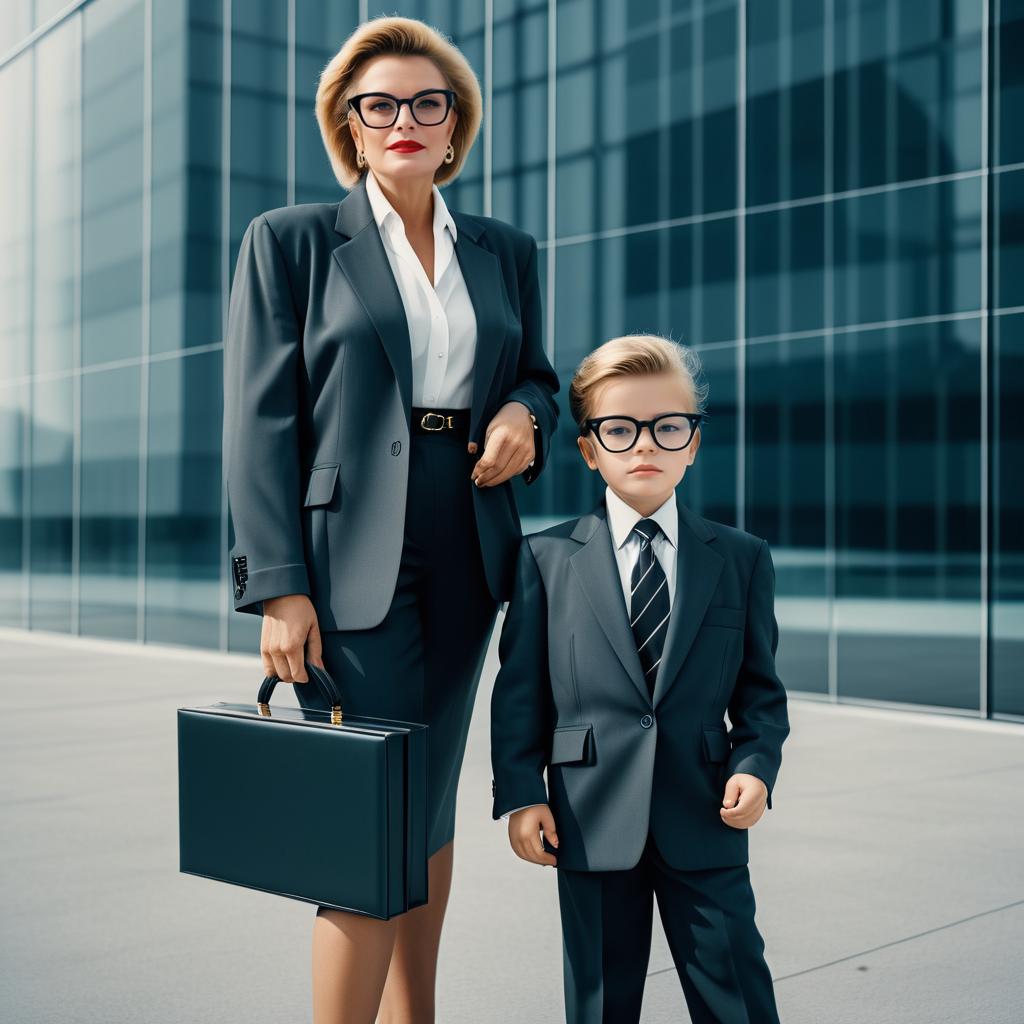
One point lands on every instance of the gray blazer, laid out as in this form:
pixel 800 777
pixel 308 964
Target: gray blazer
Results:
pixel 570 696
pixel 317 399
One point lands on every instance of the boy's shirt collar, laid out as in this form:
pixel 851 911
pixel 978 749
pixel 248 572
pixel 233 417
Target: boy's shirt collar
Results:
pixel 622 517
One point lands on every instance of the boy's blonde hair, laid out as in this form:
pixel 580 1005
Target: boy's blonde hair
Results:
pixel 634 355
pixel 403 37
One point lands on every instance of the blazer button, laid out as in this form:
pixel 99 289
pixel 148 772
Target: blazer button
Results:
pixel 396 447
pixel 239 592
pixel 647 721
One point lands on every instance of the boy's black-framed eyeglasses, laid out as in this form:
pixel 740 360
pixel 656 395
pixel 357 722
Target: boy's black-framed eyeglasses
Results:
pixel 672 431
pixel 380 109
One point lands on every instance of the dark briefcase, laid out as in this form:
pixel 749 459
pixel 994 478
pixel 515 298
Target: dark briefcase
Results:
pixel 305 803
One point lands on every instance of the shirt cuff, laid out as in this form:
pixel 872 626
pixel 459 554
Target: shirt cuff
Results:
pixel 514 809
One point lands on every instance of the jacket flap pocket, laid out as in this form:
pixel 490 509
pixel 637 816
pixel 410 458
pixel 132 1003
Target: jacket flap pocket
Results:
pixel 716 745
pixel 321 484
pixel 722 615
pixel 571 744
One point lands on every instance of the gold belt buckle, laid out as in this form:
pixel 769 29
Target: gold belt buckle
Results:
pixel 423 421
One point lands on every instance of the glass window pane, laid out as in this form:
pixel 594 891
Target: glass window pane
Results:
pixel 1007 591
pixel 57 105
pixel 51 498
pixel 911 252
pixel 13 418
pixel 110 502
pixel 787 497
pixel 908 513
pixel 183 504
pixel 16 126
pixel 112 181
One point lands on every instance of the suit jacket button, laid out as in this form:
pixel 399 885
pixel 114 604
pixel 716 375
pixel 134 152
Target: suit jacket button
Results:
pixel 239 591
pixel 647 721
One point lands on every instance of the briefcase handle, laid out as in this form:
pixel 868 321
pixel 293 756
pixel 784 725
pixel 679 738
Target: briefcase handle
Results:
pixel 319 676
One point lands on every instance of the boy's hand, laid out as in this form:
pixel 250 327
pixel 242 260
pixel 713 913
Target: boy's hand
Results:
pixel 744 801
pixel 524 828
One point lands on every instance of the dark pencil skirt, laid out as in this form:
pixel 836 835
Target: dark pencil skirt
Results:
pixel 422 663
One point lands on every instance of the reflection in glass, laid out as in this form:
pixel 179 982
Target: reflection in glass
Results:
pixel 51 482
pixel 57 108
pixel 110 502
pixel 908 513
pixel 1007 589
pixel 16 119
pixel 13 418
pixel 183 502
pixel 112 159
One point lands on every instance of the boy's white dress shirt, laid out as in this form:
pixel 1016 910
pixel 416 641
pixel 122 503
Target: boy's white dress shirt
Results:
pixel 621 520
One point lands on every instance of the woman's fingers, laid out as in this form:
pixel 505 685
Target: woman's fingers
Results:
pixel 495 453
pixel 295 656
pixel 314 646
pixel 507 458
pixel 287 624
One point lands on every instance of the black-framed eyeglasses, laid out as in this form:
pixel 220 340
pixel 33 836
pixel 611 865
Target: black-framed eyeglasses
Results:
pixel 380 109
pixel 672 431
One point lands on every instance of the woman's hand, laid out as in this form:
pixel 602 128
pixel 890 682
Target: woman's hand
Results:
pixel 289 624
pixel 508 446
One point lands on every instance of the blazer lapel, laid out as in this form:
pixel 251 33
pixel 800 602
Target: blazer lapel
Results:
pixel 698 568
pixel 482 274
pixel 598 573
pixel 365 263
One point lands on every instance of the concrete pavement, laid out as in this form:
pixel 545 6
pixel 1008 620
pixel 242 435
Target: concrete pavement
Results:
pixel 889 873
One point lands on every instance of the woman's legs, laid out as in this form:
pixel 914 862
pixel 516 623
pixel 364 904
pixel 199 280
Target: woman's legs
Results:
pixel 361 963
pixel 409 992
pixel 421 664
pixel 351 955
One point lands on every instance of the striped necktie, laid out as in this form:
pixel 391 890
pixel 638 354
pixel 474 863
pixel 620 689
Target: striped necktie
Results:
pixel 649 603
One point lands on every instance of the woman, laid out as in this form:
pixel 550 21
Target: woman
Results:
pixel 384 380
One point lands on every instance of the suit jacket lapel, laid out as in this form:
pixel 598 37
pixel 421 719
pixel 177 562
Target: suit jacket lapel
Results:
pixel 365 263
pixel 698 569
pixel 482 274
pixel 598 573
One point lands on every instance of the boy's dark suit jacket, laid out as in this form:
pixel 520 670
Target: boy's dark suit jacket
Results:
pixel 570 696
pixel 317 400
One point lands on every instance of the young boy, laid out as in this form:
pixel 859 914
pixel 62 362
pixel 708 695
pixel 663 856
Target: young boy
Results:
pixel 630 633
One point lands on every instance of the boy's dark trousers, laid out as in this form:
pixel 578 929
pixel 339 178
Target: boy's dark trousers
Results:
pixel 708 918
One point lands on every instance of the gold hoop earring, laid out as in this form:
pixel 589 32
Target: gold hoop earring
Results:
pixel 361 158
pixel 449 154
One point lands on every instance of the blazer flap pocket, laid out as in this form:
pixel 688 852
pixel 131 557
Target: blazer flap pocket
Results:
pixel 571 744
pixel 321 484
pixel 716 744
pixel 722 615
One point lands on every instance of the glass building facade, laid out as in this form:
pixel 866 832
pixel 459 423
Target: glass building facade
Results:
pixel 824 197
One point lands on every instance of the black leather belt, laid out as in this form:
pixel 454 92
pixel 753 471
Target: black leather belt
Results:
pixel 451 422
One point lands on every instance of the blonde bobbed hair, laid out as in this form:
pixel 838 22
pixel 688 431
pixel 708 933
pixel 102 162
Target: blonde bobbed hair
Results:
pixel 404 37
pixel 634 355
